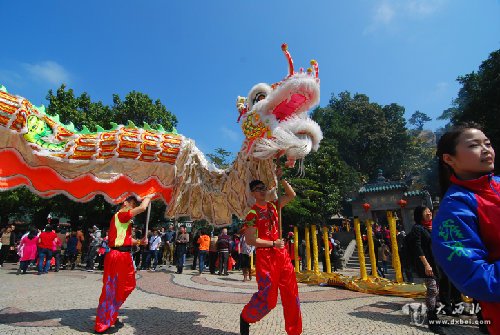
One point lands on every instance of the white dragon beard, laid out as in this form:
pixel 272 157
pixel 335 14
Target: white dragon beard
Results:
pixel 296 137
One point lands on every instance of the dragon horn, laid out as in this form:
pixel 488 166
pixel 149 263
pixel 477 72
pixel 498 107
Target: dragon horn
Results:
pixel 284 47
pixel 314 64
pixel 241 105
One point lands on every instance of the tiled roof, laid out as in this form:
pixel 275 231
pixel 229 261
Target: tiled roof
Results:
pixel 381 187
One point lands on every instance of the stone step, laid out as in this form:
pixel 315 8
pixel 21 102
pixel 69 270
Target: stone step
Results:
pixel 353 264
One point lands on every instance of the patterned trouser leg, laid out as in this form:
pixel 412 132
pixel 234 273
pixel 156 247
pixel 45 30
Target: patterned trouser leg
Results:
pixel 118 282
pixel 275 271
pixel 431 294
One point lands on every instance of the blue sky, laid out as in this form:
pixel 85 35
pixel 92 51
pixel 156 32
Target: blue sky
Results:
pixel 198 56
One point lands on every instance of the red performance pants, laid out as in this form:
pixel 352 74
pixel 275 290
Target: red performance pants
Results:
pixel 274 270
pixel 118 282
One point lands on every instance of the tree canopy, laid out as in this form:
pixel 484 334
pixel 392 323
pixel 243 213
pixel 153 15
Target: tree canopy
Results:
pixel 418 120
pixel 221 158
pixel 478 99
pixel 137 107
pixel 368 136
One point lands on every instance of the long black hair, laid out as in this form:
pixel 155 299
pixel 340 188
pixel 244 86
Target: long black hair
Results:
pixel 447 145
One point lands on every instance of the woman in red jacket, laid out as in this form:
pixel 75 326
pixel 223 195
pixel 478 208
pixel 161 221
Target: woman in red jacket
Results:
pixel 45 245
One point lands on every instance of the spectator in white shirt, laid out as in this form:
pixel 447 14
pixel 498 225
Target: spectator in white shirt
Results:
pixel 154 247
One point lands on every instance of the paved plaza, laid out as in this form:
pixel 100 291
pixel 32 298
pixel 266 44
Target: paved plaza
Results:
pixel 178 304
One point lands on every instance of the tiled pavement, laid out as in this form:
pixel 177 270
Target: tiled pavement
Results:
pixel 177 304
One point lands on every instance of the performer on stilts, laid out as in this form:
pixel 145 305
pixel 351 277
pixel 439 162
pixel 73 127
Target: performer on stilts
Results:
pixel 119 274
pixel 273 267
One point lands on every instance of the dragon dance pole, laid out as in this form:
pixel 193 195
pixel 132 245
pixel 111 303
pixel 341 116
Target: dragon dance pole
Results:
pixel 315 247
pixel 147 220
pixel 308 248
pixel 361 252
pixel 371 249
pixel 396 262
pixel 280 219
pixel 327 250
pixel 296 247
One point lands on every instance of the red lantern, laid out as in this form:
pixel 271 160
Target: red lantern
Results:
pixel 366 207
pixel 402 203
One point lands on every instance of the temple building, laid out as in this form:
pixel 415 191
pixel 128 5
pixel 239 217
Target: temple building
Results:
pixel 375 198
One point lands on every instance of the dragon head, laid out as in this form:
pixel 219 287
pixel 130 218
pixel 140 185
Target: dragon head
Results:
pixel 274 117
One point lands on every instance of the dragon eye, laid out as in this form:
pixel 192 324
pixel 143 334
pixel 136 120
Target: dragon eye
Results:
pixel 258 97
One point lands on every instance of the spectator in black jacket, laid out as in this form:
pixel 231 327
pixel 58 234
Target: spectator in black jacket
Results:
pixel 223 246
pixel 425 265
pixel 196 250
pixel 181 244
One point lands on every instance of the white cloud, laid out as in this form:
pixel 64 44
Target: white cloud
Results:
pixel 388 13
pixel 384 13
pixel 423 8
pixel 231 134
pixel 48 71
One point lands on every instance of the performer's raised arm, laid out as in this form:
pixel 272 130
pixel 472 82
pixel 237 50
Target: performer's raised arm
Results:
pixel 143 206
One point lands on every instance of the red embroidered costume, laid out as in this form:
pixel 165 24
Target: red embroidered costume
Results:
pixel 273 270
pixel 119 274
